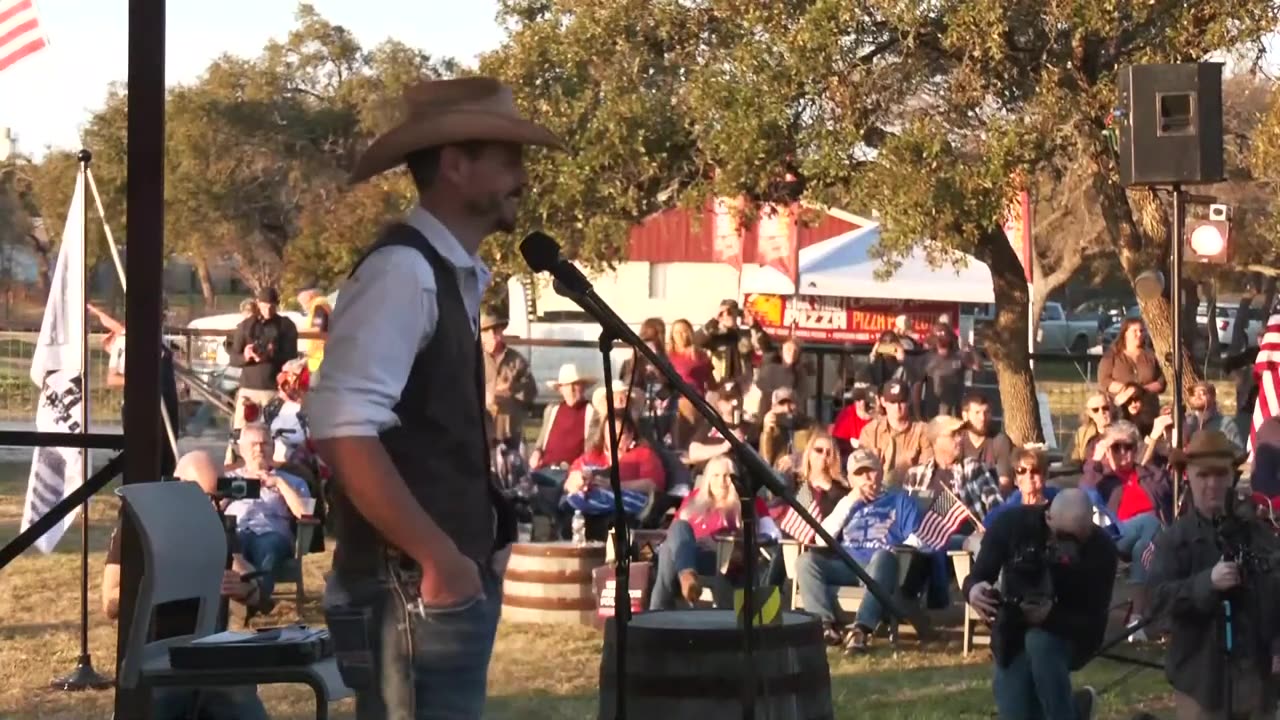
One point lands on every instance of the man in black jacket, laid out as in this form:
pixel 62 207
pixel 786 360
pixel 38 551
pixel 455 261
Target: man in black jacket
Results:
pixel 262 344
pixel 1044 579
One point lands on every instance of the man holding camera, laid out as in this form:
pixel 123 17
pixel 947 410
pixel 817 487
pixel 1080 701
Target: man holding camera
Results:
pixel 1043 579
pixel 1221 660
pixel 261 345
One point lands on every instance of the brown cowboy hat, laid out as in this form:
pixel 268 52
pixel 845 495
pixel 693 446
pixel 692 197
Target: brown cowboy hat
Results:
pixel 443 112
pixel 1208 448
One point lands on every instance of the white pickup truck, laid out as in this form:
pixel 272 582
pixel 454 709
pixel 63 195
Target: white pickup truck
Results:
pixel 1058 333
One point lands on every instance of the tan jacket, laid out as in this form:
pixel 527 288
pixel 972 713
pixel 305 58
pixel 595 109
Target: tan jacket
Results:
pixel 898 451
pixel 509 390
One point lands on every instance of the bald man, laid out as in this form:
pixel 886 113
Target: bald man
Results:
pixel 1061 619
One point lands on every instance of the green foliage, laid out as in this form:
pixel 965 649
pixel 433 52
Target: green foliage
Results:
pixel 257 151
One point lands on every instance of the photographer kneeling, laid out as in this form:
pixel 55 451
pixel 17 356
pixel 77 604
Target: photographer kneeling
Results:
pixel 1216 553
pixel 1043 580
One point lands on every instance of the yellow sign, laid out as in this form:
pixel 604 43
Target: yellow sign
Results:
pixel 767 602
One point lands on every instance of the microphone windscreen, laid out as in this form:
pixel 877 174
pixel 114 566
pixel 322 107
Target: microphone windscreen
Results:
pixel 541 252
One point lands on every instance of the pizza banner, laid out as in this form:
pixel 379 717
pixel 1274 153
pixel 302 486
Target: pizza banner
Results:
pixel 844 320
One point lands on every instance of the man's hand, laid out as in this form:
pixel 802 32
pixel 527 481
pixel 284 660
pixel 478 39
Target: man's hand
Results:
pixel 1036 613
pixel 269 481
pixel 251 353
pixel 770 421
pixel 575 482
pixel 983 599
pixel 1225 575
pixel 535 459
pixel 235 588
pixel 449 580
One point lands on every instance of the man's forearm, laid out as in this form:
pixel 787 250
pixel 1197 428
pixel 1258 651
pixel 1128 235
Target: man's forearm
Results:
pixel 374 486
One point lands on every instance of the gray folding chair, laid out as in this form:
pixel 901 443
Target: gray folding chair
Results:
pixel 184 549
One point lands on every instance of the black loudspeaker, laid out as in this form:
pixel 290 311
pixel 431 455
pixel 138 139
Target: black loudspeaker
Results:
pixel 1170 124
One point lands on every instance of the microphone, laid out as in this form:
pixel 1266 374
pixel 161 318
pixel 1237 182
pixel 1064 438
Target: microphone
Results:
pixel 542 254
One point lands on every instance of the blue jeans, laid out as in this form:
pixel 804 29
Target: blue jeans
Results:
pixel 231 703
pixel 821 575
pixel 1136 535
pixel 677 553
pixel 1037 684
pixel 408 666
pixel 264 552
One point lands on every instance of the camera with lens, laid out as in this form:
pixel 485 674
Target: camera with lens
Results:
pixel 1024 580
pixel 238 488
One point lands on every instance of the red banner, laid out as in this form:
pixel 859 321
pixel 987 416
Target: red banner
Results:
pixel 844 320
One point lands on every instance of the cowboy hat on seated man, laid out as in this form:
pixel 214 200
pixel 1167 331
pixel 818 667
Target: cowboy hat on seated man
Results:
pixel 398 412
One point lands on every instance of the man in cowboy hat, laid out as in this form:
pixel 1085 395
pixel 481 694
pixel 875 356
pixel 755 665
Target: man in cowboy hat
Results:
pixel 1193 573
pixel 567 424
pixel 398 412
pixel 508 383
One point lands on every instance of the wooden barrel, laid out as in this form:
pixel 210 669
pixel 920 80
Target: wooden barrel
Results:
pixel 551 583
pixel 688 665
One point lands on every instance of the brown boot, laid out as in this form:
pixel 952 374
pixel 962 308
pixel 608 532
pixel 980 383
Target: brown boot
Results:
pixel 690 588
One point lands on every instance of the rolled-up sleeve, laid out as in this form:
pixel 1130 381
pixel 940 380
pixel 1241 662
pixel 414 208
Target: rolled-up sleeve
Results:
pixel 385 314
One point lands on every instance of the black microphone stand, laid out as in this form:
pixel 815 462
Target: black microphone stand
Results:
pixel 621 543
pixel 757 473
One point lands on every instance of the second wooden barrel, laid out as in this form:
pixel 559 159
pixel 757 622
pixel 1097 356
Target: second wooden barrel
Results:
pixel 688 665
pixel 551 583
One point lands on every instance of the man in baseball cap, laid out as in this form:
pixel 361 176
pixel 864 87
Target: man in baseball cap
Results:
pixel 896 439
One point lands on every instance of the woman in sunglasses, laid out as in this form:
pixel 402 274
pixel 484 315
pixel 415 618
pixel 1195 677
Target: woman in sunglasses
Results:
pixel 1030 471
pixel 1135 500
pixel 1098 414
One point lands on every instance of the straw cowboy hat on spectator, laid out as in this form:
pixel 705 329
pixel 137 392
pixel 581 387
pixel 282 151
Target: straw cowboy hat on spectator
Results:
pixel 570 375
pixel 446 112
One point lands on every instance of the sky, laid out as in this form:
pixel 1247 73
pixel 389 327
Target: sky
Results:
pixel 46 98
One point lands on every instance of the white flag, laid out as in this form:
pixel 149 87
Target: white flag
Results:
pixel 57 368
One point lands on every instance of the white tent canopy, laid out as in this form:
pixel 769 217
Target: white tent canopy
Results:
pixel 843 266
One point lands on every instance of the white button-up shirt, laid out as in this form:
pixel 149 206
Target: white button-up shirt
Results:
pixel 386 314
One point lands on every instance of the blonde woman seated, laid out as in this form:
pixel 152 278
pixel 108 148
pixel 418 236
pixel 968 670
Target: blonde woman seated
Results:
pixel 712 509
pixel 818 484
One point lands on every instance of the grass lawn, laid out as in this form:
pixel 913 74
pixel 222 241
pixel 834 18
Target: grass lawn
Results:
pixel 537 672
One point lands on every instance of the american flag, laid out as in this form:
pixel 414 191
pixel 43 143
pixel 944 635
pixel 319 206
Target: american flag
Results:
pixel 795 527
pixel 1266 370
pixel 943 518
pixel 20 32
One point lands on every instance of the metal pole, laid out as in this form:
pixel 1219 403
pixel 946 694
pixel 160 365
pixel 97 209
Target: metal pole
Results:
pixel 1175 310
pixel 84 677
pixel 144 267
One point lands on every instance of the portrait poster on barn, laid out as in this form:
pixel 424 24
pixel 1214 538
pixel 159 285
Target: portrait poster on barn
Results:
pixel 843 320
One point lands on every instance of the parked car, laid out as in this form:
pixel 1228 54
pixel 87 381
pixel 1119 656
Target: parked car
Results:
pixel 1059 333
pixel 1224 317
pixel 1105 311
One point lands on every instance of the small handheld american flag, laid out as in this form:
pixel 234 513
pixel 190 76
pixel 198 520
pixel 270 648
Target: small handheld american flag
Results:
pixel 795 527
pixel 943 518
pixel 20 31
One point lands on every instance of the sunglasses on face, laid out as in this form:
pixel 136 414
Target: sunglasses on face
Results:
pixel 1099 410
pixel 1122 447
pixel 822 450
pixel 1023 471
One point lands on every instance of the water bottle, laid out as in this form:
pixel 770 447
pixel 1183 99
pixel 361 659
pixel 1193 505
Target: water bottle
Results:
pixel 579 528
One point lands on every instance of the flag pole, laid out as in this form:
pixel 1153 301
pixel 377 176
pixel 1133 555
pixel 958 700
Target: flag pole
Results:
pixel 84 677
pixel 91 184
